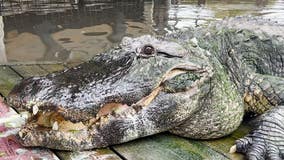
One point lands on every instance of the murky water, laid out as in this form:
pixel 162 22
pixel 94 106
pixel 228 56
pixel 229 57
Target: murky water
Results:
pixel 64 32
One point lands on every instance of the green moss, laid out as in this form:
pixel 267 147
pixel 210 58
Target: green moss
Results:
pixel 73 131
pixel 180 82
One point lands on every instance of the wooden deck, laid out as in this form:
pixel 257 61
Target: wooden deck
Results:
pixel 163 146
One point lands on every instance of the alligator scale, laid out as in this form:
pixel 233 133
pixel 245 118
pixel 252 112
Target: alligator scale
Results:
pixel 196 84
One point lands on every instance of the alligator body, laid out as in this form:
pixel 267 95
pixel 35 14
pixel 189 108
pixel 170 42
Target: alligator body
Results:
pixel 196 84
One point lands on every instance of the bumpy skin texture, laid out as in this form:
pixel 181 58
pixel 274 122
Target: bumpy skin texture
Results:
pixel 252 52
pixel 189 83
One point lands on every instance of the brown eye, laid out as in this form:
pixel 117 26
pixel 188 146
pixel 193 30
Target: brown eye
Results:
pixel 148 50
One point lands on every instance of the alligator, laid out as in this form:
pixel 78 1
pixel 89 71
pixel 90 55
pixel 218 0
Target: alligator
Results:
pixel 197 83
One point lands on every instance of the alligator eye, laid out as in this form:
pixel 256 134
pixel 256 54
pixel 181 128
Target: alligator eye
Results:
pixel 148 50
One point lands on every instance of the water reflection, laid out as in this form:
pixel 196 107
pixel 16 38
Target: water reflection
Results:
pixel 119 27
pixel 161 16
pixel 53 50
pixel 71 35
pixel 261 3
pixel 78 32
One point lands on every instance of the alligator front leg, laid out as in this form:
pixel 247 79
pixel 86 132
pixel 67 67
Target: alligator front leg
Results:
pixel 266 141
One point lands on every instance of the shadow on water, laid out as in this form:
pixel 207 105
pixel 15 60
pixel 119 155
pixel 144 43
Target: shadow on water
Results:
pixel 74 31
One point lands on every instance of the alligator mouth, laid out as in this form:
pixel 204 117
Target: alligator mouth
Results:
pixel 52 120
pixel 48 123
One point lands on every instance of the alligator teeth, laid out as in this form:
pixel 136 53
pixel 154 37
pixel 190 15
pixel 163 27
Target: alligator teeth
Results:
pixel 233 149
pixel 55 126
pixel 35 110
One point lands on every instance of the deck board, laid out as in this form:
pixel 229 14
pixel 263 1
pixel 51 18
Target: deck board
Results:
pixel 52 67
pixel 29 70
pixel 99 154
pixel 69 65
pixel 8 79
pixel 167 147
pixel 223 145
pixel 162 146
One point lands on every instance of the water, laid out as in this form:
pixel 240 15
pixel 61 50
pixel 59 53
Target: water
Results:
pixel 64 32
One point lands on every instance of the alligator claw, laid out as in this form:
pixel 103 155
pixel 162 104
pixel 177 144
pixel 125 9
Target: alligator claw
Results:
pixel 259 149
pixel 265 142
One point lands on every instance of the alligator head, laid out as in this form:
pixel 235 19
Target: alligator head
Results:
pixel 143 87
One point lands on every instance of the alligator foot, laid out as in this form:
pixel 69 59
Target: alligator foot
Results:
pixel 266 140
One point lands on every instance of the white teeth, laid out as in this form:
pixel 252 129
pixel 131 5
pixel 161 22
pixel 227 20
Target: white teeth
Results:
pixel 233 149
pixel 35 110
pixel 20 134
pixel 55 126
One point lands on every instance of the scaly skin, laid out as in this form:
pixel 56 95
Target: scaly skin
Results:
pixel 252 52
pixel 195 84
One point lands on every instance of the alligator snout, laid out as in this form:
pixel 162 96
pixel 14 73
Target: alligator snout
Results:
pixel 23 92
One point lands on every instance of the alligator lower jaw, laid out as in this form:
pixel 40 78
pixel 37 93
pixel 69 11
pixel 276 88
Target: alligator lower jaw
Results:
pixel 55 121
pixel 52 130
pixel 32 135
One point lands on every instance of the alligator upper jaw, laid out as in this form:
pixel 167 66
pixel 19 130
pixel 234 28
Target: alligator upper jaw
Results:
pixel 75 115
pixel 53 117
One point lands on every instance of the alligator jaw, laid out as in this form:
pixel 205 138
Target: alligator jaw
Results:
pixel 50 129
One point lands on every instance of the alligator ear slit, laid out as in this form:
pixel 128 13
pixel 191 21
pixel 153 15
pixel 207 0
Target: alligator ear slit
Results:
pixel 168 55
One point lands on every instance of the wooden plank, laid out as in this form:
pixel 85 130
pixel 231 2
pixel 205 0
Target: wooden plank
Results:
pixel 73 64
pixel 29 70
pixel 221 145
pixel 8 79
pixel 10 122
pixel 52 67
pixel 99 154
pixel 166 147
pixel 224 144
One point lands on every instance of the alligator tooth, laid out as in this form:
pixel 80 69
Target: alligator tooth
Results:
pixel 25 115
pixel 35 109
pixel 233 149
pixel 20 134
pixel 55 126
